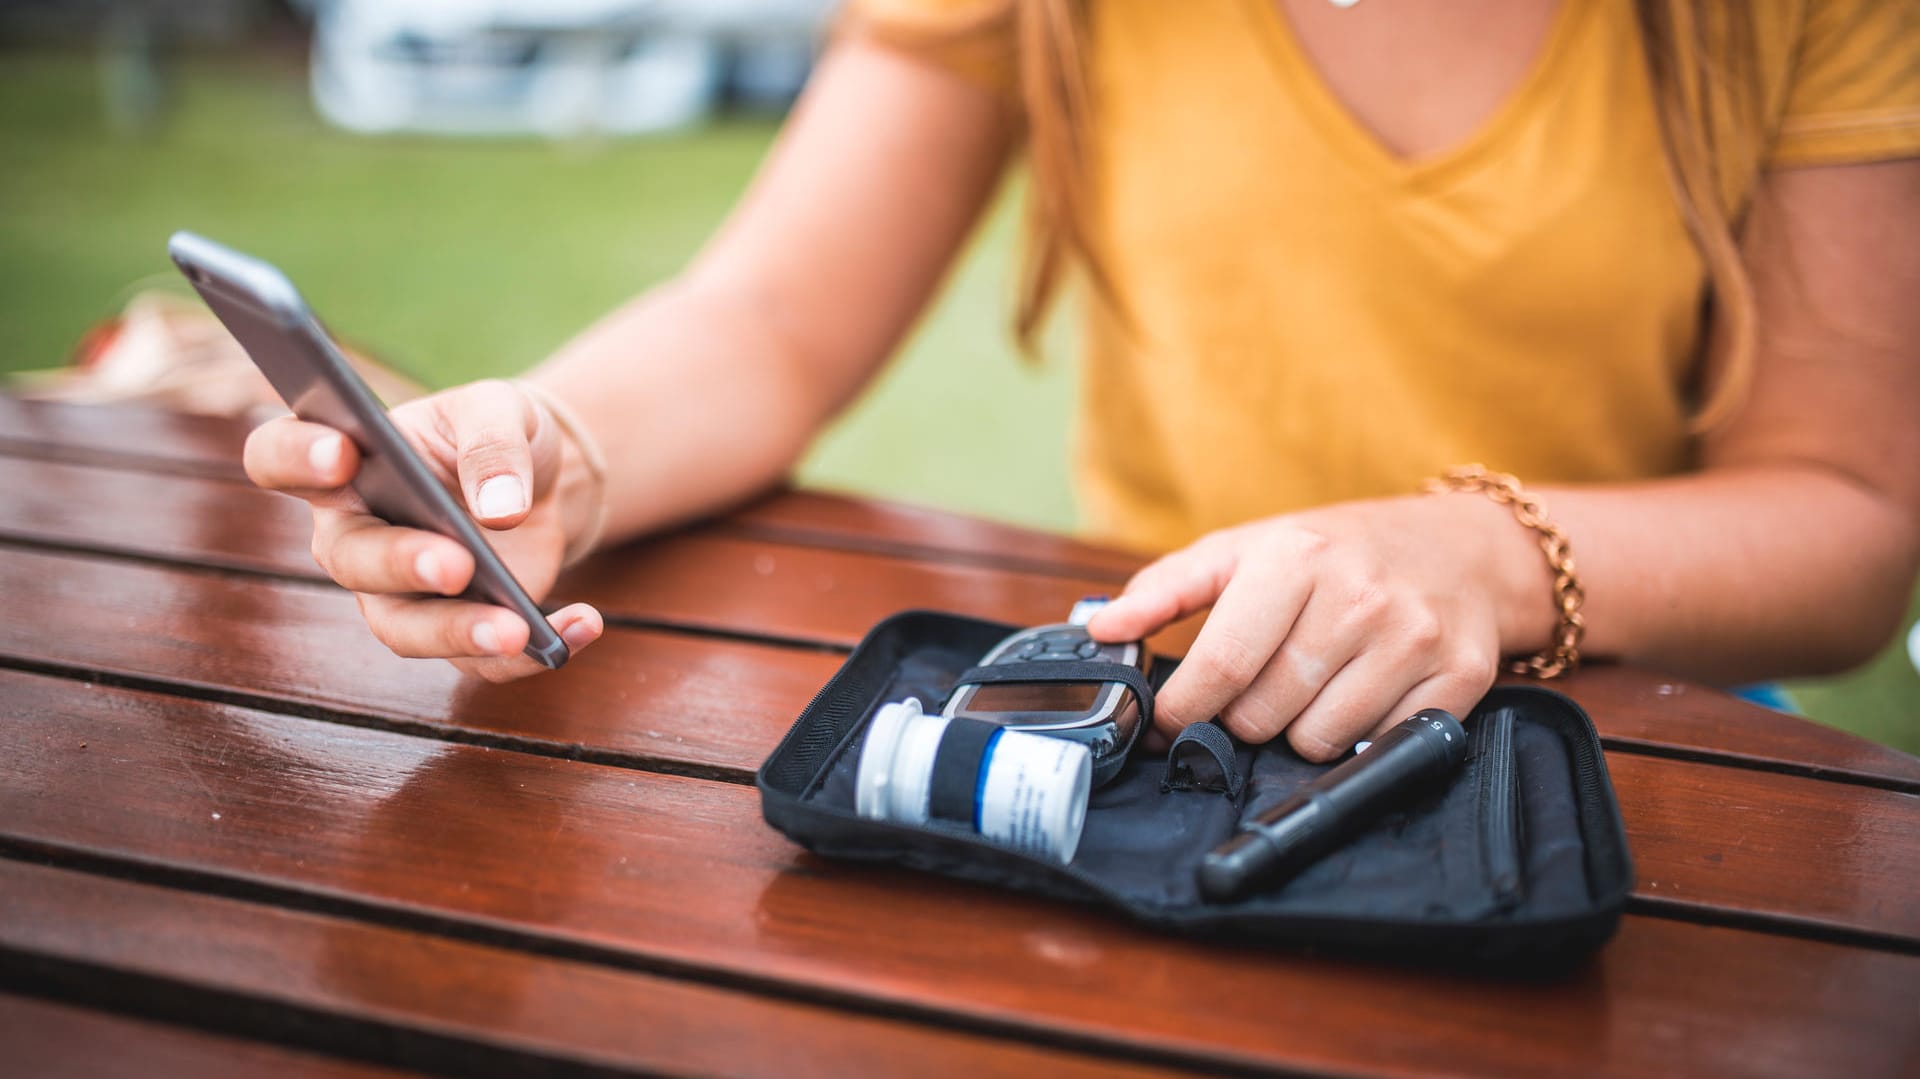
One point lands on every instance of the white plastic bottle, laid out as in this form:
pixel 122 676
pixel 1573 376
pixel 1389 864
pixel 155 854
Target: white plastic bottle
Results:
pixel 1024 791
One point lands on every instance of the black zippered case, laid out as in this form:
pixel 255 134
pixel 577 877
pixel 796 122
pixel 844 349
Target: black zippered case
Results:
pixel 1519 863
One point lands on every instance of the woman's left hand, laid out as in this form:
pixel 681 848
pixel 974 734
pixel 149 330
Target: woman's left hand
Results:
pixel 1333 624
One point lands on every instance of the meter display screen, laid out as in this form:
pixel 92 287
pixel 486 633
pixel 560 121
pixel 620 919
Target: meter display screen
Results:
pixel 1075 698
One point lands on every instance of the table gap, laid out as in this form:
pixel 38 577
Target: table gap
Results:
pixel 1679 910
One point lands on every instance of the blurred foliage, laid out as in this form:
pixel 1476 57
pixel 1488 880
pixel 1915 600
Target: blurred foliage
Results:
pixel 463 259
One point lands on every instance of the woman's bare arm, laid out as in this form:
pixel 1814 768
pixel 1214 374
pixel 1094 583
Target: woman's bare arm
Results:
pixel 699 393
pixel 1792 550
pixel 708 389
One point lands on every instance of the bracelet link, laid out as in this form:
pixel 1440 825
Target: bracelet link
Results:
pixel 1563 654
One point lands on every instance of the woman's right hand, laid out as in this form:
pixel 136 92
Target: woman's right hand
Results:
pixel 501 452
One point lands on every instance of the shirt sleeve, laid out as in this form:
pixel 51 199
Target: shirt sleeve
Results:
pixel 1854 93
pixel 971 38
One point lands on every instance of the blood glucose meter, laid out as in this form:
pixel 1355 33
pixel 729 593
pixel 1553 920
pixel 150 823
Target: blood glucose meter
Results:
pixel 1101 714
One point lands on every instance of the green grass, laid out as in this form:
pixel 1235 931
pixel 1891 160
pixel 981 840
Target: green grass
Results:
pixel 459 259
pixel 462 259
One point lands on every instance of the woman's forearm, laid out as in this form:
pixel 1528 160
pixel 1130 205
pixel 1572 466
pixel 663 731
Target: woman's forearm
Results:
pixel 708 389
pixel 1726 575
pixel 694 402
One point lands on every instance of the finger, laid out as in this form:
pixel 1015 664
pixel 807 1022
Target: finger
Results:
pixel 493 429
pixel 365 554
pixel 1252 616
pixel 1322 641
pixel 579 625
pixel 1154 741
pixel 303 459
pixel 1353 703
pixel 1456 690
pixel 443 628
pixel 1180 584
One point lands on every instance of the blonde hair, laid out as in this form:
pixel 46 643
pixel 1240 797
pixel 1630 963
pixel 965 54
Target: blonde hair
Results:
pixel 1704 73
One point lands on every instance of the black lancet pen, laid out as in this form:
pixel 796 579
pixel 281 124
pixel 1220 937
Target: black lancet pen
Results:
pixel 1334 808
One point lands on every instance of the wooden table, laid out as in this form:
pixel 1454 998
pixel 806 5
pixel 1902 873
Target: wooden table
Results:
pixel 236 836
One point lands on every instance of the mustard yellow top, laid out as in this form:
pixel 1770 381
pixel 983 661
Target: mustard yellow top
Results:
pixel 1316 320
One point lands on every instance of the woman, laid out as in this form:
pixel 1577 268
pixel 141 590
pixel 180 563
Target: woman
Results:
pixel 1656 259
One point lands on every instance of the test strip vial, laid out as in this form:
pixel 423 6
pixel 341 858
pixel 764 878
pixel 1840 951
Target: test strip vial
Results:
pixel 1024 791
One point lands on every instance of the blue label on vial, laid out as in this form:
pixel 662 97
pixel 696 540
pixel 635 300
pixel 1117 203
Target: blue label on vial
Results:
pixel 980 781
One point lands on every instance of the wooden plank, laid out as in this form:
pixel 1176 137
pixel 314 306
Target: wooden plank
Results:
pixel 177 518
pixel 141 438
pixel 1711 838
pixel 642 697
pixel 732 584
pixel 1637 709
pixel 680 873
pixel 847 522
pixel 687 704
pixel 129 436
pixel 144 515
pixel 637 697
pixel 717 581
pixel 410 998
pixel 47 1040
pixel 698 578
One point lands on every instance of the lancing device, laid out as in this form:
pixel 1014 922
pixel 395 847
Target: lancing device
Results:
pixel 1280 842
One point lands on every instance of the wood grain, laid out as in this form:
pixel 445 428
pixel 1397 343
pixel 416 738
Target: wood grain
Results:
pixel 234 525
pixel 48 1040
pixel 137 437
pixel 1640 709
pixel 851 523
pixel 731 584
pixel 1716 838
pixel 327 980
pixel 705 706
pixel 679 873
pixel 144 439
pixel 177 518
pixel 674 700
pixel 712 580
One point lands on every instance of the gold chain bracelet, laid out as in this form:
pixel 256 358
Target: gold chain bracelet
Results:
pixel 1564 654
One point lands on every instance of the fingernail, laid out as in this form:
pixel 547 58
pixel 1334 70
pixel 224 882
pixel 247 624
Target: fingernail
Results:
pixel 486 638
pixel 577 634
pixel 502 496
pixel 426 567
pixel 324 454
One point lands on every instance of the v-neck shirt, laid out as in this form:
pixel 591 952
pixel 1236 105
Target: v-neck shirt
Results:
pixel 1310 317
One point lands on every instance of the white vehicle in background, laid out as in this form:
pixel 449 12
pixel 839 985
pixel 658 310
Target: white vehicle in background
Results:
pixel 558 68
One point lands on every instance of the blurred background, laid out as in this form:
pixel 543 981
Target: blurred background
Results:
pixel 459 186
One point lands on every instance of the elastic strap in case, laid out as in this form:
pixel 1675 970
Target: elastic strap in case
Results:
pixel 954 788
pixel 1203 758
pixel 1044 671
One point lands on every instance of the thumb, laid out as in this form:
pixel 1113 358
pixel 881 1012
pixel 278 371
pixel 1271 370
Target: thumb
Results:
pixel 493 424
pixel 1177 585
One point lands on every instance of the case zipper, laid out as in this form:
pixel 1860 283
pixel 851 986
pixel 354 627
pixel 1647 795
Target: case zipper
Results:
pixel 1500 820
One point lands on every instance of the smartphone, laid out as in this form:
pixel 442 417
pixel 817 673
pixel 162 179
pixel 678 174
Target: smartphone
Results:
pixel 266 314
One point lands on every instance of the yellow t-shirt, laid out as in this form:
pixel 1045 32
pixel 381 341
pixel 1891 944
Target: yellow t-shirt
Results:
pixel 1315 320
